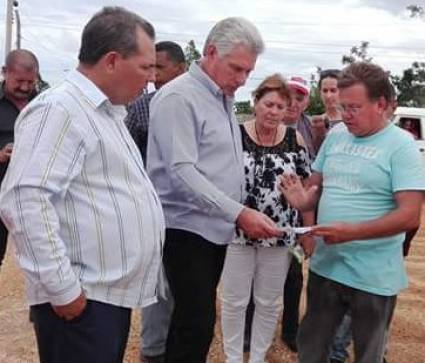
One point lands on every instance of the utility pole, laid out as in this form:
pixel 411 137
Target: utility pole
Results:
pixel 9 20
pixel 18 25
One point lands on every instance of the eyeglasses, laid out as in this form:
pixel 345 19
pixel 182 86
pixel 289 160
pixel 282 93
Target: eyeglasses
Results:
pixel 351 109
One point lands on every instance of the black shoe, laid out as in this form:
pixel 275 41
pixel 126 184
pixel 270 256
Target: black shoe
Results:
pixel 152 358
pixel 291 344
pixel 333 360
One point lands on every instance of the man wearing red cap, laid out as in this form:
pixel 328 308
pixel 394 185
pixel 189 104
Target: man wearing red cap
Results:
pixel 295 117
pixel 294 114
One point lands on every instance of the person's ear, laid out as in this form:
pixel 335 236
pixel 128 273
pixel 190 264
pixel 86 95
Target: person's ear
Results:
pixel 211 51
pixel 382 105
pixel 110 61
pixel 182 67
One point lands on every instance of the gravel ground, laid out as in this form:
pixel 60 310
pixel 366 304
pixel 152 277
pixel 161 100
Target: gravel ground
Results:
pixel 407 340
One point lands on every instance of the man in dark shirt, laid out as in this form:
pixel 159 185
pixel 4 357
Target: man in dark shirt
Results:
pixel 295 115
pixel 170 63
pixel 20 75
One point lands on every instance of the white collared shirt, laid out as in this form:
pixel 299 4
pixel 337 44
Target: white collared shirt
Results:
pixel 78 202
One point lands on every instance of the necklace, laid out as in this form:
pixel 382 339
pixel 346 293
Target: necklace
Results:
pixel 258 136
pixel 262 149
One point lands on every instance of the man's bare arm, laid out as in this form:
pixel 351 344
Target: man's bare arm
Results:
pixel 405 217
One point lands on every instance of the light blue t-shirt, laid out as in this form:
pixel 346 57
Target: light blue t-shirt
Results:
pixel 360 177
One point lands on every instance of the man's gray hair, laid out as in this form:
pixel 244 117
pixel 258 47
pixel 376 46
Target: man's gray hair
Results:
pixel 22 58
pixel 231 32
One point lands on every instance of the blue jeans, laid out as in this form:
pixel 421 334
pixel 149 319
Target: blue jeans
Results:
pixel 342 340
pixel 155 323
pixel 327 303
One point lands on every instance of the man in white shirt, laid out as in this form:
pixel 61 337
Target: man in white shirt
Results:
pixel 86 221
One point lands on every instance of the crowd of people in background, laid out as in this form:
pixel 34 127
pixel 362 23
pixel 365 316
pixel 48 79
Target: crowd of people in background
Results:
pixel 116 198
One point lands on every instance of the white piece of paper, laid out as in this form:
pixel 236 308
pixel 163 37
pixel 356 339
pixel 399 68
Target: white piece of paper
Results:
pixel 297 230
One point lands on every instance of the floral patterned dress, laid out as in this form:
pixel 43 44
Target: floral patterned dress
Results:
pixel 263 165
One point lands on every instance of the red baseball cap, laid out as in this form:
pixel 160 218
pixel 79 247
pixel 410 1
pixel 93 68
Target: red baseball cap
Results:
pixel 299 84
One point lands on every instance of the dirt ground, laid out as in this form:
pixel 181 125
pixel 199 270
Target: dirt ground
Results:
pixel 407 340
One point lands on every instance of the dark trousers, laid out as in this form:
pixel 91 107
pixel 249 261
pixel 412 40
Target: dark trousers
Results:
pixel 327 303
pixel 249 317
pixel 98 335
pixel 291 301
pixel 193 266
pixel 3 241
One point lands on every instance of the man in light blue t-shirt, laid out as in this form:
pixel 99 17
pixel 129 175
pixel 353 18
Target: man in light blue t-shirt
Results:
pixel 371 181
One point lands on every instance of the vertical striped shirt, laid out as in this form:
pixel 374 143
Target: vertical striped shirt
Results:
pixel 78 202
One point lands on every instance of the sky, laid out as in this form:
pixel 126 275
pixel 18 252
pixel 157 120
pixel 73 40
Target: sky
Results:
pixel 299 35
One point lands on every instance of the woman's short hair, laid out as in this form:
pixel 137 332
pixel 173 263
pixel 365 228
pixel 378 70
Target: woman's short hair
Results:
pixel 274 83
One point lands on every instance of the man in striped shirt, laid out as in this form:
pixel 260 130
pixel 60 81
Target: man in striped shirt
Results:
pixel 86 221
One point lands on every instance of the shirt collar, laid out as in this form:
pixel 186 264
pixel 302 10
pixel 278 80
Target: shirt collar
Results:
pixel 87 87
pixel 95 95
pixel 199 74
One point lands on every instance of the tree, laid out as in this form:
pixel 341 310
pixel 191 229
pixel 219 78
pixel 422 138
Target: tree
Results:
pixel 315 106
pixel 416 11
pixel 411 86
pixel 191 53
pixel 243 108
pixel 357 54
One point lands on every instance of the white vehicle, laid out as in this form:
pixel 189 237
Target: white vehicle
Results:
pixel 412 120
